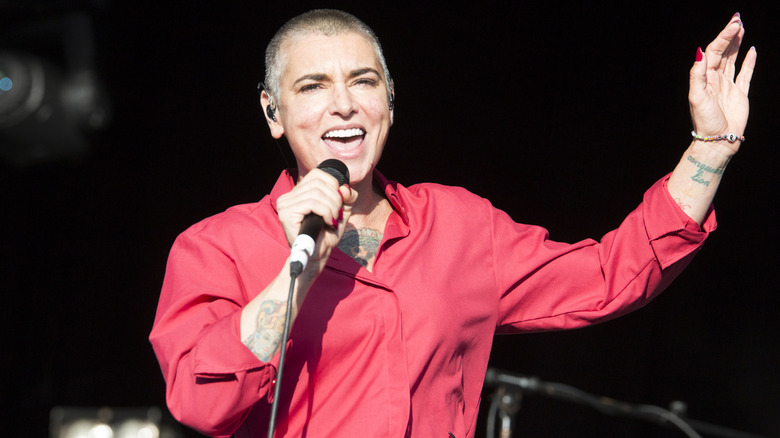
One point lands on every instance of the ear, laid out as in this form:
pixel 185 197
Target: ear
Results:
pixel 270 108
pixel 391 101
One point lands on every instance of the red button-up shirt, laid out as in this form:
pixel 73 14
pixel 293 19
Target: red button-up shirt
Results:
pixel 401 351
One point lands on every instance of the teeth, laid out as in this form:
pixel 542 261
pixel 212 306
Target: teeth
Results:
pixel 345 133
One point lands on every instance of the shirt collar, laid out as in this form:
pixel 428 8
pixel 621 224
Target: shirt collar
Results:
pixel 284 184
pixel 391 192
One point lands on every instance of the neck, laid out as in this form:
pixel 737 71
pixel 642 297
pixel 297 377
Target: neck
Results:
pixel 368 196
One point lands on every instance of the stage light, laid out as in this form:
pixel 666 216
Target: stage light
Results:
pixel 105 422
pixel 50 102
pixel 5 82
pixel 134 428
pixel 86 429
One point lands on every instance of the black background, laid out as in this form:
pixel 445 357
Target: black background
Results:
pixel 561 114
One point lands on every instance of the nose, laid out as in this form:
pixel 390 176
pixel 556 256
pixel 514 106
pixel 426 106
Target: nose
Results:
pixel 342 103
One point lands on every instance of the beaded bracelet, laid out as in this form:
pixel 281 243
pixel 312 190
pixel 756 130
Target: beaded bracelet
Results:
pixel 731 137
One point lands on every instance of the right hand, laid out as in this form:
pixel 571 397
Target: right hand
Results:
pixel 318 193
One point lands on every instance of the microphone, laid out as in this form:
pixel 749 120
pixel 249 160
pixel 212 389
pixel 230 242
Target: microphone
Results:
pixel 312 225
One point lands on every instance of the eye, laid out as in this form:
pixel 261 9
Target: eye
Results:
pixel 367 82
pixel 309 87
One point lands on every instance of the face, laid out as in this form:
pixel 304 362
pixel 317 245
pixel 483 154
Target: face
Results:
pixel 333 103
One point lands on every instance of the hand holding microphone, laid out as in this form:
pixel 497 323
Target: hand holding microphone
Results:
pixel 318 202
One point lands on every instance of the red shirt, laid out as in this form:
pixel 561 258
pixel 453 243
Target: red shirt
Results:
pixel 403 350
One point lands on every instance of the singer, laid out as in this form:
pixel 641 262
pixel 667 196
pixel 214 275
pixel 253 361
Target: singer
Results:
pixel 395 312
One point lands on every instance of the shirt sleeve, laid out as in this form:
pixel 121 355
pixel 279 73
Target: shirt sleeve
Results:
pixel 212 379
pixel 547 285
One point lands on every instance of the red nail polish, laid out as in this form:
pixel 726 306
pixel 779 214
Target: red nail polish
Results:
pixel 335 223
pixel 341 214
pixel 699 55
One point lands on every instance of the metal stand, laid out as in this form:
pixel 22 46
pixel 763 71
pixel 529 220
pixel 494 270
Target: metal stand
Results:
pixel 506 403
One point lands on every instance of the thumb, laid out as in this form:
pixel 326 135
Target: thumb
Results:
pixel 698 77
pixel 349 196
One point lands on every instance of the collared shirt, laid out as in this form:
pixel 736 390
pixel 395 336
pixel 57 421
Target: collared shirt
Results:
pixel 402 350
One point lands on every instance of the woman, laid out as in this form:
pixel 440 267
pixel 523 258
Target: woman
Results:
pixel 394 314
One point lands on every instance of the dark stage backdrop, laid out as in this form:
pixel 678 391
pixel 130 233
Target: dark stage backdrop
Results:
pixel 561 114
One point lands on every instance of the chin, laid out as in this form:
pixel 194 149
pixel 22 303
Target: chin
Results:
pixel 359 172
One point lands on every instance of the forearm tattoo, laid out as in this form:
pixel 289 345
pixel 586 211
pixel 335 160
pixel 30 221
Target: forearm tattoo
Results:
pixel 362 245
pixel 699 176
pixel 683 206
pixel 269 326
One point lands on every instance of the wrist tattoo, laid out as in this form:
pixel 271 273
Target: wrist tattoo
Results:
pixel 362 245
pixel 269 326
pixel 699 176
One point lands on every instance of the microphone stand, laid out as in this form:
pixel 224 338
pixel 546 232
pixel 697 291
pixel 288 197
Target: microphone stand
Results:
pixel 505 404
pixel 605 405
pixel 295 270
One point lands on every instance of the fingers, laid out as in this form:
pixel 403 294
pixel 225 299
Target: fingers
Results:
pixel 722 51
pixel 317 193
pixel 348 195
pixel 746 72
pixel 721 56
pixel 729 58
pixel 348 198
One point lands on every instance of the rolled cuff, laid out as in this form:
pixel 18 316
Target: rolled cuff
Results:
pixel 672 234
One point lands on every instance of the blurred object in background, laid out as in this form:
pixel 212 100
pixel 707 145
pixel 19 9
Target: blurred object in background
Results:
pixel 104 422
pixel 51 97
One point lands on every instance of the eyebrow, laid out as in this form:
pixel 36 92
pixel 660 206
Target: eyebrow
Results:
pixel 362 71
pixel 323 76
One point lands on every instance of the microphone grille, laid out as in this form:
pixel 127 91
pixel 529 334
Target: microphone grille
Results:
pixel 337 169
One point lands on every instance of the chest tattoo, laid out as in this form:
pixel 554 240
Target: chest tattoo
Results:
pixel 361 244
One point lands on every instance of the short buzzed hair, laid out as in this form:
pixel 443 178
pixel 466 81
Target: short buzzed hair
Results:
pixel 328 22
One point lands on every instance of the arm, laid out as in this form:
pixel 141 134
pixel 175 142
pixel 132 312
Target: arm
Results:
pixel 548 285
pixel 219 273
pixel 575 285
pixel 719 105
pixel 263 318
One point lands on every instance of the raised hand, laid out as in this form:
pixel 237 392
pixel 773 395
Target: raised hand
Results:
pixel 719 106
pixel 719 103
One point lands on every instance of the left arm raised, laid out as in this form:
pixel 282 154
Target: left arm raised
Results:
pixel 719 106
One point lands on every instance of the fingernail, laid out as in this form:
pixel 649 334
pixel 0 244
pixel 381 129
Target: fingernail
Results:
pixel 736 18
pixel 699 55
pixel 341 214
pixel 335 223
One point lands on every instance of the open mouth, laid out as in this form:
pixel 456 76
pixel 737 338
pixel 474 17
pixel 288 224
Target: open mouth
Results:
pixel 344 139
